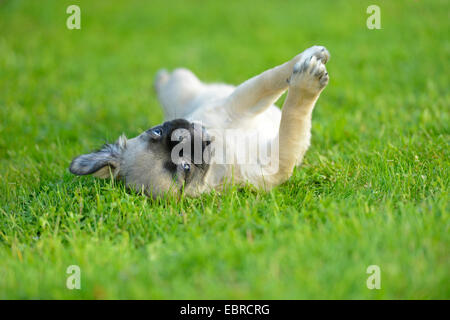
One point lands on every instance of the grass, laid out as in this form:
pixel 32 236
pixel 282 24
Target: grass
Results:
pixel 373 189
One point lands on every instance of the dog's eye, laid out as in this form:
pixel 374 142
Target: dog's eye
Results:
pixel 186 166
pixel 157 132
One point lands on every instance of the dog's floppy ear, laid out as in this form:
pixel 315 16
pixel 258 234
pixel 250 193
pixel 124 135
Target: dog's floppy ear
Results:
pixel 100 163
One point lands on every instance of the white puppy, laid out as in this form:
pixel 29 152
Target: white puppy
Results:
pixel 240 135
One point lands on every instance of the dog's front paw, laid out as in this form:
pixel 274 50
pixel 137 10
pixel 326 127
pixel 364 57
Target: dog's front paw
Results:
pixel 321 53
pixel 309 76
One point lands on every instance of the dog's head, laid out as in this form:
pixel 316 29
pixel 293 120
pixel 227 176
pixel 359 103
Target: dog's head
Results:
pixel 168 158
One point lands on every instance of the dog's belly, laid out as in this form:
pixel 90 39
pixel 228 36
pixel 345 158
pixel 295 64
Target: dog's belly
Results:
pixel 214 117
pixel 237 136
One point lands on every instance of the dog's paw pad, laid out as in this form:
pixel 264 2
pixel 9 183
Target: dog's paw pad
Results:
pixel 310 75
pixel 321 53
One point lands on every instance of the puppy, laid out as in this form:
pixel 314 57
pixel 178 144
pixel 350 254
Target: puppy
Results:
pixel 216 134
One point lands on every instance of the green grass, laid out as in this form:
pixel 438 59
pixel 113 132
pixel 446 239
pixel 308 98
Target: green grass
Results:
pixel 373 188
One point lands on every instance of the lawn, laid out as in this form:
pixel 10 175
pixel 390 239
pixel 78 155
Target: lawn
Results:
pixel 373 188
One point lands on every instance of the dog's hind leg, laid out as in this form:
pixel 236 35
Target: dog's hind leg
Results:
pixel 260 92
pixel 176 90
pixel 308 79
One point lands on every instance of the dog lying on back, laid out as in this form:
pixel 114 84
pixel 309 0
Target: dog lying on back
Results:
pixel 217 133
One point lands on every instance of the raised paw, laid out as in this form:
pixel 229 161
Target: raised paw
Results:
pixel 321 53
pixel 309 75
pixel 162 76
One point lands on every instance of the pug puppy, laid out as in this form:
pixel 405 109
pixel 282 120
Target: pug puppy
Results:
pixel 215 134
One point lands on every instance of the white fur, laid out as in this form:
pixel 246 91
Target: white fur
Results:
pixel 250 107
